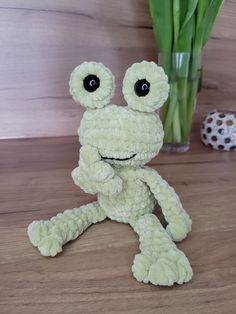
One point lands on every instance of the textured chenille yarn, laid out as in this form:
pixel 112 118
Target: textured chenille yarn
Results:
pixel 117 142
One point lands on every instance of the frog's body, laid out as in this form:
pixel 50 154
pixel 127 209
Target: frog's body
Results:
pixel 116 144
pixel 133 201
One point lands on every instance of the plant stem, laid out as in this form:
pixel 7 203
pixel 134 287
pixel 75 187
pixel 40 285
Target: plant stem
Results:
pixel 193 88
pixel 182 103
pixel 176 125
pixel 173 100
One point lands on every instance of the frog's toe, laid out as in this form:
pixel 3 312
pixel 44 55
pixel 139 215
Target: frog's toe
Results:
pixel 140 268
pixel 49 246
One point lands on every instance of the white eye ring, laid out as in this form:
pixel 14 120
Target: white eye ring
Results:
pixel 145 86
pixel 92 85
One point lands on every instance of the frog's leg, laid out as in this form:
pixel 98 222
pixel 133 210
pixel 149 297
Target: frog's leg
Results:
pixel 159 262
pixel 50 235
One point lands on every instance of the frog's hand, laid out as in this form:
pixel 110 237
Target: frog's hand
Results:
pixel 113 186
pixel 81 175
pixel 81 179
pixel 89 155
pixel 179 222
pixel 91 163
pixel 94 175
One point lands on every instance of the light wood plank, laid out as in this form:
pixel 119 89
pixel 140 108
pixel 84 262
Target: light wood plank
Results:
pixel 42 41
pixel 92 275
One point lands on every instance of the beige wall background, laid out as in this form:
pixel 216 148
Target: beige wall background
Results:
pixel 42 41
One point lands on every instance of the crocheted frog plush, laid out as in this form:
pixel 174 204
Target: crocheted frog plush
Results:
pixel 117 142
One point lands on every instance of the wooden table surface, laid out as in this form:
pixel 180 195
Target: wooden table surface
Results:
pixel 93 275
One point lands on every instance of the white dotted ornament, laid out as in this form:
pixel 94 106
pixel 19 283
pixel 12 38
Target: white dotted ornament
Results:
pixel 219 130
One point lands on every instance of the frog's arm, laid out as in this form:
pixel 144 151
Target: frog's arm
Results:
pixel 179 222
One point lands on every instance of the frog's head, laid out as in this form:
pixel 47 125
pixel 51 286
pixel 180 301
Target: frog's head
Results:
pixel 123 135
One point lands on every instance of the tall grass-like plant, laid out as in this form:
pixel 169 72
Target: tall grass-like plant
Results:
pixel 181 28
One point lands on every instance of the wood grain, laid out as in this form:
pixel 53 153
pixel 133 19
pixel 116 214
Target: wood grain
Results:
pixel 93 275
pixel 42 41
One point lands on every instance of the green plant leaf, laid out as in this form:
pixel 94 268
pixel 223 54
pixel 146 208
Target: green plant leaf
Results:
pixel 210 18
pixel 183 10
pixel 191 7
pixel 176 19
pixel 161 13
pixel 207 11
pixel 185 39
pixel 201 10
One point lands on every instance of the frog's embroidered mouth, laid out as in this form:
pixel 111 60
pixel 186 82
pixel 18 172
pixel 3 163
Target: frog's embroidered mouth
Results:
pixel 120 159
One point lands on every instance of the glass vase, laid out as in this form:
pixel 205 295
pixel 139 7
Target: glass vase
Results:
pixel 184 74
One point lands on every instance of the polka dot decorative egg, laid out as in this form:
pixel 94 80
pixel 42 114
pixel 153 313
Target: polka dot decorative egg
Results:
pixel 218 130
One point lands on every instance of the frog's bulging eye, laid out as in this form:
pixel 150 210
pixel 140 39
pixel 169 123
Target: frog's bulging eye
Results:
pixel 142 87
pixel 145 86
pixel 91 83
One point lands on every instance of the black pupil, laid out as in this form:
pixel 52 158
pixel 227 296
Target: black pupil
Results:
pixel 91 83
pixel 142 87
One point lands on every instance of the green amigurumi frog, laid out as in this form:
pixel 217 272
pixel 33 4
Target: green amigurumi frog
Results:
pixel 117 142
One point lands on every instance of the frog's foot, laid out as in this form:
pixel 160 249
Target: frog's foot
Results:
pixel 39 235
pixel 170 267
pixel 38 230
